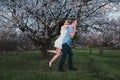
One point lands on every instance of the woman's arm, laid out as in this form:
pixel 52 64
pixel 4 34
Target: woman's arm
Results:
pixel 72 34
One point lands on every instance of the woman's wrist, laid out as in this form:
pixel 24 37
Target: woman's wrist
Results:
pixel 75 30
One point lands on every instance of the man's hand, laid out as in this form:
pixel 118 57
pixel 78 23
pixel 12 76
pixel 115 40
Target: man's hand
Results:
pixel 73 34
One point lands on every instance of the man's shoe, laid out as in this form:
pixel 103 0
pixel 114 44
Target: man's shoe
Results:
pixel 73 69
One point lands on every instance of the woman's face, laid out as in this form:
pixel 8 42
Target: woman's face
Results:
pixel 66 22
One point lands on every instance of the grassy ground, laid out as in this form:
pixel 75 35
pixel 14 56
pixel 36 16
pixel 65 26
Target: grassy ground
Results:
pixel 29 66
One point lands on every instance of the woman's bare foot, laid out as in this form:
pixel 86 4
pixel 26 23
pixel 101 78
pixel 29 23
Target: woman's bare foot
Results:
pixel 49 64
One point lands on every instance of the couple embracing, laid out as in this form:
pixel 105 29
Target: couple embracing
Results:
pixel 63 45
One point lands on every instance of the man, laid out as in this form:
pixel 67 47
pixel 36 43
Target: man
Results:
pixel 66 47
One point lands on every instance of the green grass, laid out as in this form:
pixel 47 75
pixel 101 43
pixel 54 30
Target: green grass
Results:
pixel 29 66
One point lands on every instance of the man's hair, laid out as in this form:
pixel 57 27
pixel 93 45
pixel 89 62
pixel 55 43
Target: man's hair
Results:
pixel 71 20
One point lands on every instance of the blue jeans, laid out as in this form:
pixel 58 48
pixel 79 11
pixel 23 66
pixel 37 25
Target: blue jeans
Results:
pixel 66 49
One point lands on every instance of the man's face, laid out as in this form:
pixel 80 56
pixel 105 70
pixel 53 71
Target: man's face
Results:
pixel 75 22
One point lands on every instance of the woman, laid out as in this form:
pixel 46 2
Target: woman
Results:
pixel 58 44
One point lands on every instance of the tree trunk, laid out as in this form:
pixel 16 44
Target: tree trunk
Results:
pixel 44 54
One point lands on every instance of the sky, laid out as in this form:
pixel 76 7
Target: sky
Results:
pixel 114 10
pixel 114 14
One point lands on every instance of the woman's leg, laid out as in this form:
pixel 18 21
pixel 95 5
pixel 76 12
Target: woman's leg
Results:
pixel 58 53
pixel 52 51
